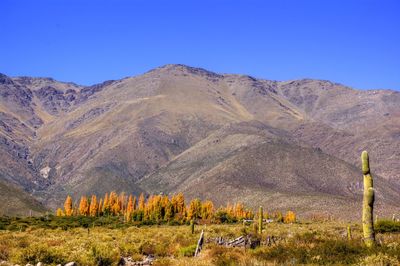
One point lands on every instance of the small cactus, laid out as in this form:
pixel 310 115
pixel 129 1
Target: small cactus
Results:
pixel 255 228
pixel 349 232
pixel 368 202
pixel 192 226
pixel 260 219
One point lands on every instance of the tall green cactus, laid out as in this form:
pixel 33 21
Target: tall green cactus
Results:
pixel 260 220
pixel 368 202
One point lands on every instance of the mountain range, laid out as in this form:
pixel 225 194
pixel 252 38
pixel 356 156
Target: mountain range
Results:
pixel 282 144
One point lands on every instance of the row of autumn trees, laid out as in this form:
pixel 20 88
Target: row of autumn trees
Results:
pixel 154 208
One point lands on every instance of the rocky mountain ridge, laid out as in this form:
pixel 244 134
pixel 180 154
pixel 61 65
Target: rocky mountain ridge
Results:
pixel 179 128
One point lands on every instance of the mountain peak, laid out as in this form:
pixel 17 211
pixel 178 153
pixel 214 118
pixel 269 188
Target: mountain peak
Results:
pixel 4 79
pixel 181 68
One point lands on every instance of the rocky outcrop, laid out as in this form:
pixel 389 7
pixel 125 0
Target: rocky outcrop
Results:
pixel 56 101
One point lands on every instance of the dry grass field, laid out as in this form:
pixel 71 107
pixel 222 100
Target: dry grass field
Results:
pixel 311 243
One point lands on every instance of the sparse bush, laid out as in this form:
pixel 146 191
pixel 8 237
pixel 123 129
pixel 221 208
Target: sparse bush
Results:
pixel 38 253
pixel 162 249
pixel 103 255
pixel 309 249
pixel 387 226
pixel 4 252
pixel 306 238
pixel 379 259
pixel 187 251
pixel 223 256
pixel 222 217
pixel 338 250
pixel 163 262
pixel 147 248
pixel 128 249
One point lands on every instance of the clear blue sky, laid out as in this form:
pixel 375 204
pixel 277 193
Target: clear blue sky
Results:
pixel 354 42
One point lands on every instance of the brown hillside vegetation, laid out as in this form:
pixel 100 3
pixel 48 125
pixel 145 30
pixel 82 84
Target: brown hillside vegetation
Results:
pixel 286 145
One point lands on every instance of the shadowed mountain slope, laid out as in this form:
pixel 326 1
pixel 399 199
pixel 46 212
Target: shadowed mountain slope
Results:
pixel 15 201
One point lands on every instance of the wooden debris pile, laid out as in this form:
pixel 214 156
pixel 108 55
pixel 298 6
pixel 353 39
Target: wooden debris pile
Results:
pixel 147 260
pixel 245 241
pixel 242 241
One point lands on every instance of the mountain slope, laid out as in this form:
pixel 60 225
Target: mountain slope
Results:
pixel 252 163
pixel 177 128
pixel 15 201
pixel 347 121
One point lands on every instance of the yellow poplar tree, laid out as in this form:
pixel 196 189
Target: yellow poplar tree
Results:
pixel 207 209
pixel 239 211
pixel 59 212
pixel 229 209
pixel 148 208
pixel 112 199
pixel 178 203
pixel 169 212
pixel 106 204
pixel 157 208
pixel 122 202
pixel 116 207
pixel 194 210
pixel 129 209
pixel 100 208
pixel 83 206
pixel 141 202
pixel 93 206
pixel 290 217
pixel 134 203
pixel 68 210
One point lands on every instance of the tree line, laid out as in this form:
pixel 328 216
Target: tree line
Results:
pixel 161 208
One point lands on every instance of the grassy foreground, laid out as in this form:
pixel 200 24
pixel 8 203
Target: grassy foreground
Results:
pixel 300 243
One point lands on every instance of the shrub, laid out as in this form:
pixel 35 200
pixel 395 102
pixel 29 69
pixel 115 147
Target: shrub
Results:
pixel 306 238
pixel 38 253
pixel 379 259
pixel 222 256
pixel 311 250
pixel 4 252
pixel 128 249
pixel 221 216
pixel 188 251
pixel 161 249
pixel 338 250
pixel 103 255
pixel 387 226
pixel 173 222
pixel 279 253
pixel 147 248
pixel 163 262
